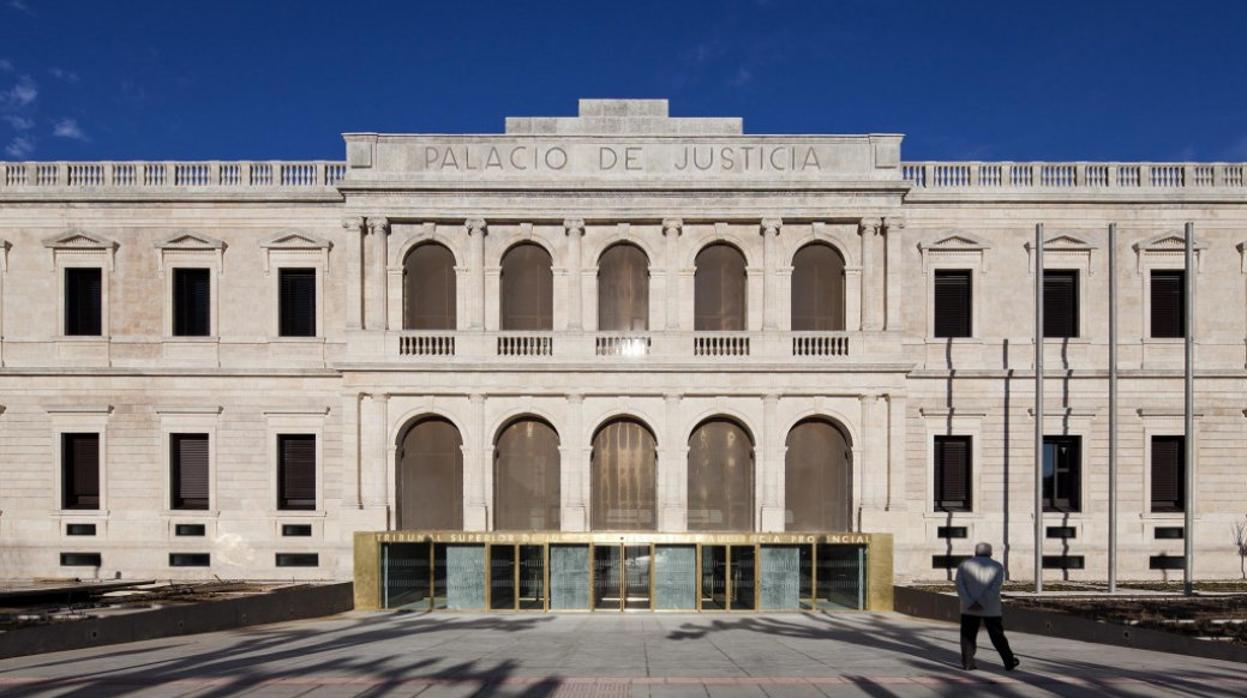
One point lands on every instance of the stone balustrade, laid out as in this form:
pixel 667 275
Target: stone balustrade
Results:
pixel 1074 175
pixel 23 176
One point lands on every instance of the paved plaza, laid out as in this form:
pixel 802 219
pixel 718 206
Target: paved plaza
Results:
pixel 386 654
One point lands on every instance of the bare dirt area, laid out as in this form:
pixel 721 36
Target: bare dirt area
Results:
pixel 40 602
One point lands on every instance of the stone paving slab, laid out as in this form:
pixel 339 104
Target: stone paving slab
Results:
pixel 597 656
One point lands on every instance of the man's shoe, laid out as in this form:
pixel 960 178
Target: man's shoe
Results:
pixel 1012 664
pixel 971 666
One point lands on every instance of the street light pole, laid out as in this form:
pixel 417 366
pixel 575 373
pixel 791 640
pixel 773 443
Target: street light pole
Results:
pixel 1188 495
pixel 1112 408
pixel 1039 416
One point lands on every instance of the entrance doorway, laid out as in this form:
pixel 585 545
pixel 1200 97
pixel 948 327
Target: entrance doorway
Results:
pixel 621 577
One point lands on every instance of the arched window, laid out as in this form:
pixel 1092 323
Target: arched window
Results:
pixel 719 289
pixel 623 477
pixel 526 477
pixel 527 288
pixel 429 288
pixel 817 289
pixel 720 477
pixel 623 289
pixel 429 478
pixel 818 472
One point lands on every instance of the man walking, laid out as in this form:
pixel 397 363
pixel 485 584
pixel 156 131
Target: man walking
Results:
pixel 978 586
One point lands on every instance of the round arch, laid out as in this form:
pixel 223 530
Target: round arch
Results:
pixel 623 476
pixel 429 474
pixel 429 280
pixel 720 476
pixel 623 288
pixel 526 287
pixel 527 475
pixel 818 288
pixel 720 288
pixel 818 476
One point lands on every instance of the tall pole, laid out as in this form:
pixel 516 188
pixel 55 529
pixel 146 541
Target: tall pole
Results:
pixel 1188 495
pixel 1112 408
pixel 1039 408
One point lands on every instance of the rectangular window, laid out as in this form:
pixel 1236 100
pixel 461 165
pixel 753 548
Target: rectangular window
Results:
pixel 1168 473
pixel 192 302
pixel 1062 473
pixel 189 529
pixel 1168 303
pixel 952 473
pixel 1060 303
pixel 297 559
pixel 81 560
pixel 952 303
pixel 296 471
pixel 190 560
pixel 80 471
pixel 188 459
pixel 83 302
pixel 297 288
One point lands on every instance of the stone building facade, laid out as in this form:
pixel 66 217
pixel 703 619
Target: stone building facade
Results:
pixel 458 282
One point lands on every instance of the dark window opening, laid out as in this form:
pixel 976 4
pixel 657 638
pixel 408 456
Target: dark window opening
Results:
pixel 296 530
pixel 720 477
pixel 1062 532
pixel 1063 562
pixel 951 532
pixel 526 477
pixel 719 289
pixel 1168 473
pixel 1060 303
pixel 81 560
pixel 947 562
pixel 79 529
pixel 189 530
pixel 83 302
pixel 430 476
pixel 297 290
pixel 1168 303
pixel 623 477
pixel 190 559
pixel 527 284
pixel 817 289
pixel 188 456
pixel 429 288
pixel 952 473
pixel 1169 532
pixel 1166 562
pixel 192 302
pixel 1062 473
pixel 296 472
pixel 80 471
pixel 623 289
pixel 297 559
pixel 952 303
pixel 818 475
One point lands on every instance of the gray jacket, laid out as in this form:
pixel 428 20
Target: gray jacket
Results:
pixel 978 580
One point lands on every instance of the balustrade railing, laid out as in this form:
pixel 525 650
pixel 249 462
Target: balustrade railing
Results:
pixel 1072 175
pixel 621 345
pixel 178 175
pixel 421 344
pixel 526 345
pixel 721 344
pixel 820 344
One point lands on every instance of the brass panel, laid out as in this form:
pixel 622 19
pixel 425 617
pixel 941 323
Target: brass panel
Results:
pixel 817 289
pixel 367 571
pixel 526 477
pixel 430 476
pixel 879 572
pixel 429 288
pixel 720 477
pixel 720 289
pixel 623 289
pixel 818 483
pixel 623 477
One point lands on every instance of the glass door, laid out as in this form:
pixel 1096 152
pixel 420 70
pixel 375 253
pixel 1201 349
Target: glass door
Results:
pixel 714 577
pixel 607 581
pixel 637 560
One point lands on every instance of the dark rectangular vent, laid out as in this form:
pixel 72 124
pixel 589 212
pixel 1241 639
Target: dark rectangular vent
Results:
pixel 947 562
pixel 1063 562
pixel 951 532
pixel 1169 533
pixel 188 529
pixel 298 560
pixel 81 560
pixel 189 559
pixel 1166 562
pixel 79 529
pixel 296 530
pixel 1062 532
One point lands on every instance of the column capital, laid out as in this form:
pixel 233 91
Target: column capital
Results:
pixel 771 397
pixel 869 226
pixel 571 225
pixel 672 225
pixel 890 222
pixel 772 225
pixel 575 398
pixel 379 225
pixel 354 223
pixel 474 226
pixel 476 398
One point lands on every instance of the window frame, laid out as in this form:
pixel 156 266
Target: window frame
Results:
pixel 174 474
pixel 65 273
pixel 937 504
pixel 282 502
pixel 65 479
pixel 969 275
pixel 1180 506
pixel 1077 311
pixel 1149 301
pixel 1073 476
pixel 172 324
pixel 317 299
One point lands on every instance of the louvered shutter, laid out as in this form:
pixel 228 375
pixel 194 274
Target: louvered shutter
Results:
pixel 298 302
pixel 952 303
pixel 1168 473
pixel 192 295
pixel 83 303
pixel 952 473
pixel 189 456
pixel 1060 303
pixel 296 458
pixel 80 471
pixel 1168 303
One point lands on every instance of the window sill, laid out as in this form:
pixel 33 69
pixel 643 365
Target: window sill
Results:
pixel 1166 516
pixel 191 339
pixel 958 515
pixel 299 514
pixel 955 340
pixel 191 513
pixel 298 340
pixel 76 338
pixel 82 513
pixel 1164 341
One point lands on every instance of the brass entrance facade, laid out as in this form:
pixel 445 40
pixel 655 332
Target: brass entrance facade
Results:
pixel 620 572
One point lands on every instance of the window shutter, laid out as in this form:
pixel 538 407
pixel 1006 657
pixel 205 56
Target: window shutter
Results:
pixel 83 302
pixel 80 471
pixel 298 302
pixel 189 455
pixel 952 464
pixel 296 458
pixel 192 296
pixel 1060 303
pixel 1167 473
pixel 952 303
pixel 1168 303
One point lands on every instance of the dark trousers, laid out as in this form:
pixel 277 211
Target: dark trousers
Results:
pixel 970 637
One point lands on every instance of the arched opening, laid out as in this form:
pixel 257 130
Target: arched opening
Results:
pixel 817 289
pixel 623 289
pixel 720 477
pixel 527 301
pixel 526 477
pixel 429 288
pixel 623 477
pixel 719 289
pixel 818 477
pixel 429 476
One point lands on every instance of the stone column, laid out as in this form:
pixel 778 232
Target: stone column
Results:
pixel 475 228
pixel 356 232
pixel 770 283
pixel 671 228
pixel 378 273
pixel 771 467
pixel 872 304
pixel 575 229
pixel 573 481
pixel 894 229
pixel 672 469
pixel 477 467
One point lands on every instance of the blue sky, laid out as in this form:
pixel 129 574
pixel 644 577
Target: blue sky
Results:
pixel 127 79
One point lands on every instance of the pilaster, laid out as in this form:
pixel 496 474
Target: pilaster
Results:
pixel 477 469
pixel 672 468
pixel 379 227
pixel 894 229
pixel 356 232
pixel 475 229
pixel 671 228
pixel 574 229
pixel 771 309
pixel 872 304
pixel 771 468
pixel 574 483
